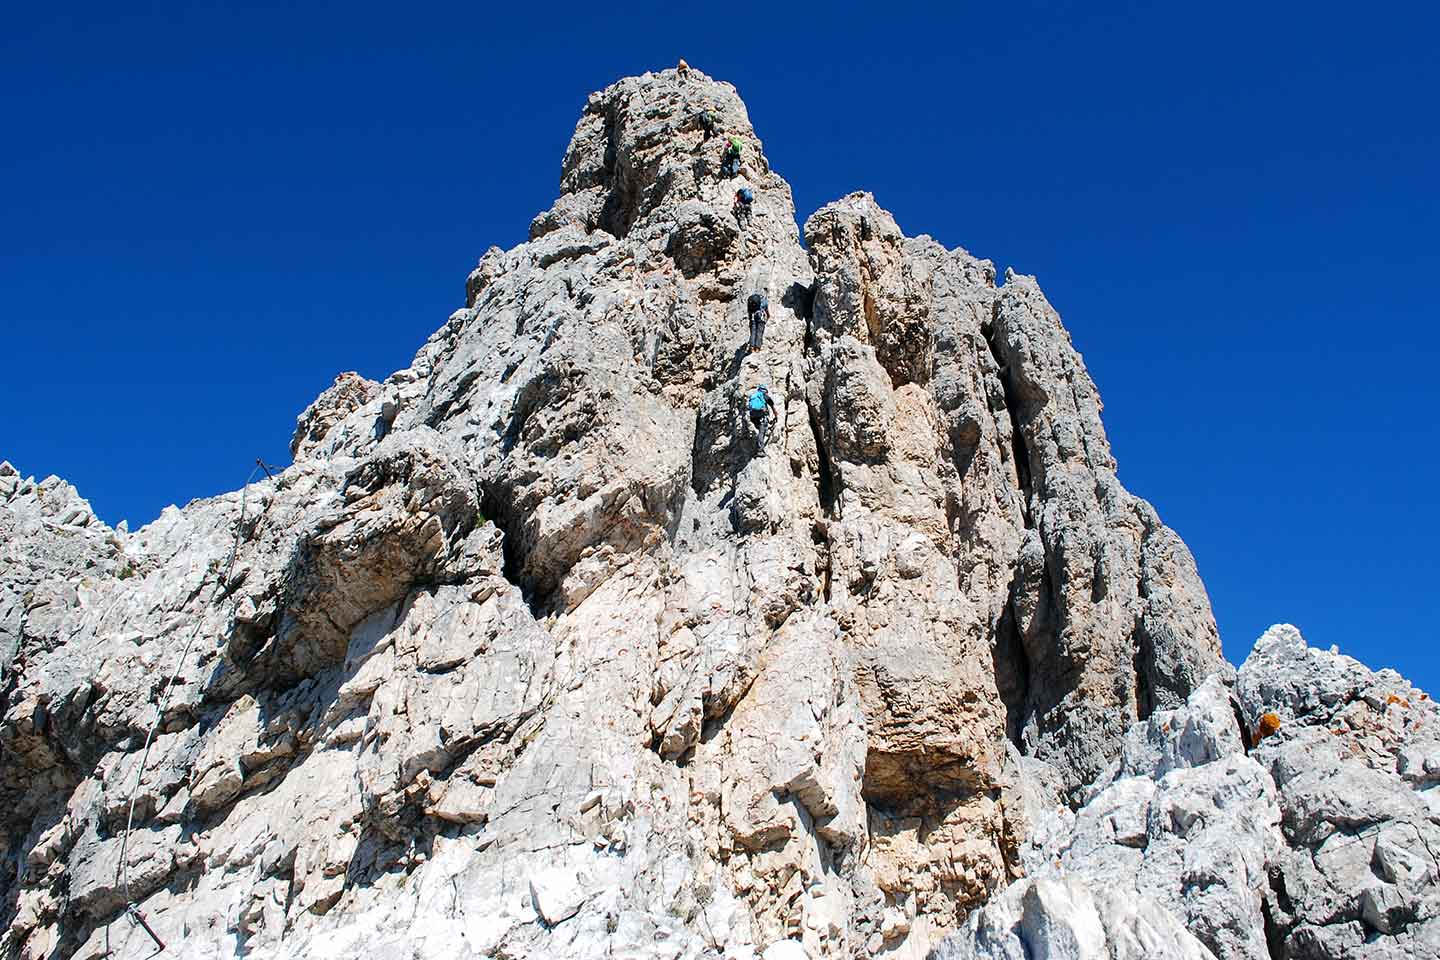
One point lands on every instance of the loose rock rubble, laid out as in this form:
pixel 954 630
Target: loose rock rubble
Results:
pixel 529 654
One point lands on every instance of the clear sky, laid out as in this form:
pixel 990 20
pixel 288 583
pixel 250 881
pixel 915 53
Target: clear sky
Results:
pixel 211 209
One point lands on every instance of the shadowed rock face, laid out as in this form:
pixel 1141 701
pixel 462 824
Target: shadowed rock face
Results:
pixel 532 653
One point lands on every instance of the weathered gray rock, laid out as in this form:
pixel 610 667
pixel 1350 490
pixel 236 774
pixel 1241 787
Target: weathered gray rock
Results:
pixel 529 653
pixel 1315 842
pixel 1070 920
pixel 1354 761
pixel 313 428
pixel 1109 586
pixel 1183 821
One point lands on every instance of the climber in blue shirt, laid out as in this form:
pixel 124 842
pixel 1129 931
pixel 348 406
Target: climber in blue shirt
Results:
pixel 762 409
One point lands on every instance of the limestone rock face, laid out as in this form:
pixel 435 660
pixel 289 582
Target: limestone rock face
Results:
pixel 1068 920
pixel 533 652
pixel 348 393
pixel 1184 821
pixel 1315 841
pixel 1356 763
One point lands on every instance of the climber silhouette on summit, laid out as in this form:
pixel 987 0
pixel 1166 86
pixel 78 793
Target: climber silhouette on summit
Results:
pixel 762 410
pixel 730 165
pixel 758 306
pixel 744 211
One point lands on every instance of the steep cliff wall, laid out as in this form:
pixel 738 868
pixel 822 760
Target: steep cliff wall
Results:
pixel 532 653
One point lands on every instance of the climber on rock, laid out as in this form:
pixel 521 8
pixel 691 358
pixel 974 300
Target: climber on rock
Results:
pixel 730 165
pixel 708 123
pixel 744 211
pixel 758 307
pixel 762 410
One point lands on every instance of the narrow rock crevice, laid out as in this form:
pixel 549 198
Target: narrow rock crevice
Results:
pixel 619 210
pixel 799 299
pixel 825 475
pixel 1011 666
pixel 1275 932
pixel 1247 741
pixel 497 505
pixel 1019 449
pixel 1143 666
pixel 519 414
pixel 1144 655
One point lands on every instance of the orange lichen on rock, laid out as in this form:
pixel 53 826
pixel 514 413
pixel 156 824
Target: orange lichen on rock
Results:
pixel 1394 699
pixel 1269 726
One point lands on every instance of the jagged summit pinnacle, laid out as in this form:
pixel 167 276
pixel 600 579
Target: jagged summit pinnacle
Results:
pixel 534 651
pixel 642 151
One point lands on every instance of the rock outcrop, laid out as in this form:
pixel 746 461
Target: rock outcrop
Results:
pixel 1356 765
pixel 532 653
pixel 1314 841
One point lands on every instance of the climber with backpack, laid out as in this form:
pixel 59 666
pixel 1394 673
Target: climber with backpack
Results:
pixel 744 198
pixel 762 409
pixel 730 165
pixel 758 307
pixel 708 122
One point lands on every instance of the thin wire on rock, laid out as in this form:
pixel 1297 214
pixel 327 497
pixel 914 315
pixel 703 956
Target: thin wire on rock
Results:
pixel 122 869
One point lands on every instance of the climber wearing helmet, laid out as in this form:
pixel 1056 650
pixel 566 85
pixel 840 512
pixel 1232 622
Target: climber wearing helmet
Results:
pixel 708 122
pixel 744 197
pixel 758 307
pixel 762 409
pixel 730 165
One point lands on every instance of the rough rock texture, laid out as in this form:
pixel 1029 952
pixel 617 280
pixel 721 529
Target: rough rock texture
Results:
pixel 1183 822
pixel 55 556
pixel 51 546
pixel 1065 919
pixel 1316 843
pixel 1357 765
pixel 531 653
pixel 314 433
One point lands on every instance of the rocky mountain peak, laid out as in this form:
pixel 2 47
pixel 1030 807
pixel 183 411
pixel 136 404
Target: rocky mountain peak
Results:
pixel 552 644
pixel 647 153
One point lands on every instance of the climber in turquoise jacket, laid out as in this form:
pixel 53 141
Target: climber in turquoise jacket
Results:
pixel 762 410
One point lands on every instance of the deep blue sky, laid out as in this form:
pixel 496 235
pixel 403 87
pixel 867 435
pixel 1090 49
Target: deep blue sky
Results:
pixel 208 214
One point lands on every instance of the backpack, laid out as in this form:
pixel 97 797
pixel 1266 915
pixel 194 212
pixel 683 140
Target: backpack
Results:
pixel 745 194
pixel 757 400
pixel 758 302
